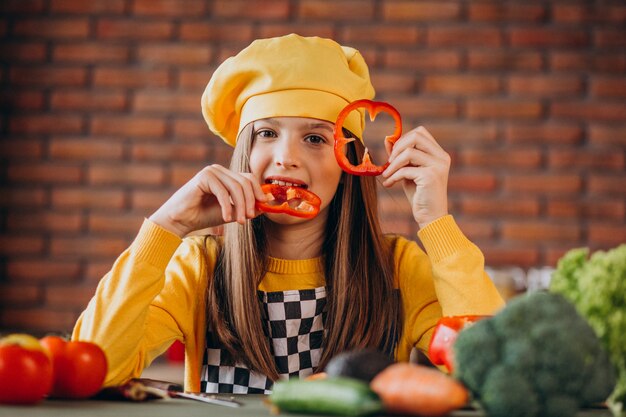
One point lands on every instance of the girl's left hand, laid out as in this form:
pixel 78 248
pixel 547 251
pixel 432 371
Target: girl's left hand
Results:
pixel 422 166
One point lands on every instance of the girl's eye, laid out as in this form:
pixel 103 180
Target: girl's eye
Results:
pixel 266 134
pixel 315 139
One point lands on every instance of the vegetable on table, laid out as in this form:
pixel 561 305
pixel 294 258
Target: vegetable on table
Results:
pixel 597 287
pixel 440 350
pixel 25 370
pixel 334 396
pixel 536 357
pixel 407 388
pixel 79 367
pixel 295 201
pixel 366 167
pixel 362 364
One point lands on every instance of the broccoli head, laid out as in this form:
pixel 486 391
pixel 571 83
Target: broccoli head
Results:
pixel 597 286
pixel 536 357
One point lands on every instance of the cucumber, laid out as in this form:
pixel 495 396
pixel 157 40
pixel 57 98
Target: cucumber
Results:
pixel 336 396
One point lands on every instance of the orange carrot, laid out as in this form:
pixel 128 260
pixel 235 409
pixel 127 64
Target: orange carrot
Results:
pixel 407 388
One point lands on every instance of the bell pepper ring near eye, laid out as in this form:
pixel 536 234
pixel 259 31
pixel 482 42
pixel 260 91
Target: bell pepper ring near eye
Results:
pixel 440 350
pixel 366 167
pixel 295 201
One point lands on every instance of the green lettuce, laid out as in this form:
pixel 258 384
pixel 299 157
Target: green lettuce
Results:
pixel 597 287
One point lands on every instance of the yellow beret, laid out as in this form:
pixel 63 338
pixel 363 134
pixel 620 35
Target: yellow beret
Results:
pixel 286 76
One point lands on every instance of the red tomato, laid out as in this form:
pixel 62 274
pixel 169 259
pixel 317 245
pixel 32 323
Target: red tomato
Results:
pixel 25 370
pixel 79 367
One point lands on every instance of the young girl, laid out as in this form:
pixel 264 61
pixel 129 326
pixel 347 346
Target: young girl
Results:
pixel 278 296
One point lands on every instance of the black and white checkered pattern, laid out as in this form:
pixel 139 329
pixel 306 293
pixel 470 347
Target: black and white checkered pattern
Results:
pixel 294 322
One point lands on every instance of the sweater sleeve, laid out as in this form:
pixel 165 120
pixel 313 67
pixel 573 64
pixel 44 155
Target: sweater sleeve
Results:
pixel 145 302
pixel 447 279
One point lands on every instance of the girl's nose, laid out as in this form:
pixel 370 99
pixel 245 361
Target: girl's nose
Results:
pixel 287 154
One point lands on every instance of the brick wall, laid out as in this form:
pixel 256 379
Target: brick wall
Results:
pixel 101 122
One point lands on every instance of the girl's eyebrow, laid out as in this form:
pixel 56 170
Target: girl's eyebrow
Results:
pixel 320 126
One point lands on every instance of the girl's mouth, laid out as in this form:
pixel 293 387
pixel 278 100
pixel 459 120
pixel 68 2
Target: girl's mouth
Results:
pixel 286 183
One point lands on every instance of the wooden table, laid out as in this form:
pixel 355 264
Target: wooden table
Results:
pixel 253 407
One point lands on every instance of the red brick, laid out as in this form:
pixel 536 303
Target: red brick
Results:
pixel 191 129
pixel 399 226
pixel 506 12
pixel 221 153
pixel 586 159
pixel 477 230
pixel 169 152
pixel 547 37
pixel 251 9
pixel 22 100
pixel 609 38
pixel 85 148
pixel 423 11
pixel 503 255
pixel 130 77
pixel 44 173
pixel 90 53
pixel 587 61
pixel 132 29
pixel 23 197
pixel 599 209
pixel 611 185
pixel 461 85
pixel 88 100
pixel 43 270
pixel 166 102
pixel 505 206
pixel 588 13
pixel 38 319
pixel 548 183
pixel 23 52
pixel 610 87
pixel 128 126
pixel 463 36
pixel 550 133
pixel 471 182
pixel 545 85
pixel 127 225
pixel 182 173
pixel 78 247
pixel 44 221
pixel 66 28
pixel 88 198
pixel 388 82
pixel 510 158
pixel 21 148
pixel 503 109
pixel 359 10
pixel 194 80
pixel 589 110
pixel 385 35
pixel 174 54
pixel 45 76
pixel 607 234
pixel 149 200
pixel 312 28
pixel 425 107
pixel 607 135
pixel 462 133
pixel 15 295
pixel 422 60
pixel 127 174
pixel 540 231
pixel 22 6
pixel 95 270
pixel 504 60
pixel 393 203
pixel 21 245
pixel 87 7
pixel 68 296
pixel 168 8
pixel 201 31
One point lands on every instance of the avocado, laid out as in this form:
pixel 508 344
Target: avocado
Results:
pixel 362 364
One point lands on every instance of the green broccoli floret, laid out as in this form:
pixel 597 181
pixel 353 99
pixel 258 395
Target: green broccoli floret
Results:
pixel 597 287
pixel 536 357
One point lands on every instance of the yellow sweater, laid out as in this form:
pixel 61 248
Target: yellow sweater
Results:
pixel 155 294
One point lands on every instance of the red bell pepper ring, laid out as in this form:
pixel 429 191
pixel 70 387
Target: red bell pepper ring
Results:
pixel 366 167
pixel 295 201
pixel 440 350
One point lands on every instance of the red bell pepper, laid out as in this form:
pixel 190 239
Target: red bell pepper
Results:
pixel 366 167
pixel 295 201
pixel 440 349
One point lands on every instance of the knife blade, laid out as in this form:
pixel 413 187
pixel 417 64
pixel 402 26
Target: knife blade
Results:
pixel 206 398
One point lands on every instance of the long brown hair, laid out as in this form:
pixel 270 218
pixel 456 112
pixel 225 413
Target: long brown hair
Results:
pixel 363 309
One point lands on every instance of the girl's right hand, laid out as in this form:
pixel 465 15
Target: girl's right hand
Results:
pixel 214 196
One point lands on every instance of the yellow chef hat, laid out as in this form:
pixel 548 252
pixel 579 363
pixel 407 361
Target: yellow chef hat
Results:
pixel 286 76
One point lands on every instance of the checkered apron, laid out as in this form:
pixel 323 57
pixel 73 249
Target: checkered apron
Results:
pixel 294 323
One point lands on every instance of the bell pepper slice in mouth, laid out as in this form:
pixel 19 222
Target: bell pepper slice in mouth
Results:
pixel 295 201
pixel 440 350
pixel 366 167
